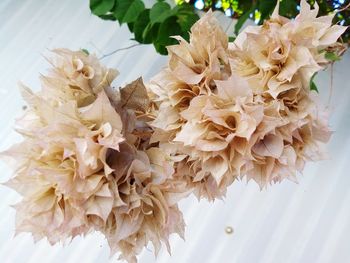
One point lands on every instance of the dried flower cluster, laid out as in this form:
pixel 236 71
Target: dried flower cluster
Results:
pixel 119 161
pixel 244 108
pixel 86 163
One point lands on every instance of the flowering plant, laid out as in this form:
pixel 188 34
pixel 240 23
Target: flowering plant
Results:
pixel 118 161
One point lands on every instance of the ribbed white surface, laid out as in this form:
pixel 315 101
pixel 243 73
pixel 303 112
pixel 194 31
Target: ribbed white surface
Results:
pixel 306 222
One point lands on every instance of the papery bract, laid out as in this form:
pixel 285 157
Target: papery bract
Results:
pixel 252 114
pixel 86 162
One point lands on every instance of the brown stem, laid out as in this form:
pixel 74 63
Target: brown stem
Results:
pixel 119 49
pixel 344 8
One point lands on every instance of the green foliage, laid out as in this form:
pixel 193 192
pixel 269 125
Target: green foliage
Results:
pixel 139 27
pixel 231 39
pixel 313 84
pixel 331 56
pixel 289 8
pixel 100 7
pixel 265 8
pixel 154 25
pixel 159 12
pixel 168 28
pixel 85 51
pixel 242 19
pixel 128 11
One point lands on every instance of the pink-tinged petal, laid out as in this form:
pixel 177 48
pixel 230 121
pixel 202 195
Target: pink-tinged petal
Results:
pixel 233 87
pixel 101 111
pixel 332 35
pixel 99 206
pixel 271 145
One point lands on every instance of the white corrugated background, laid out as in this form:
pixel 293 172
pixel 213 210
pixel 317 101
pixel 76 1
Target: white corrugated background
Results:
pixel 306 222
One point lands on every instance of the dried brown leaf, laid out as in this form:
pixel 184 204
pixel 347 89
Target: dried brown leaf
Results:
pixel 134 96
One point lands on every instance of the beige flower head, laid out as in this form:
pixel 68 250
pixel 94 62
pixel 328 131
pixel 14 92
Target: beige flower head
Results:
pixel 258 118
pixel 62 164
pixel 145 206
pixel 200 117
pixel 87 164
pixel 76 76
pixel 284 54
pixel 278 59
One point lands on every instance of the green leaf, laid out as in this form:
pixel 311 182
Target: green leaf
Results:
pixel 231 39
pixel 244 6
pixel 101 7
pixel 313 84
pixel 242 19
pixel 159 12
pixel 127 11
pixel 266 8
pixel 85 51
pixel 131 27
pixel 331 56
pixel 186 18
pixel 187 21
pixel 288 8
pixel 184 10
pixel 110 17
pixel 161 49
pixel 150 33
pixel 167 29
pixel 140 26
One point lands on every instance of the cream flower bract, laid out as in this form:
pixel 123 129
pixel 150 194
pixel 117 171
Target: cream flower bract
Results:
pixel 251 114
pixel 86 163
pixel 75 76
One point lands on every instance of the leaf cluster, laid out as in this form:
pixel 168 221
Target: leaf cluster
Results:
pixel 153 25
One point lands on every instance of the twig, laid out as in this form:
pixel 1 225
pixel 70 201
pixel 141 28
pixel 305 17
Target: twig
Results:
pixel 120 49
pixel 331 88
pixel 344 8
